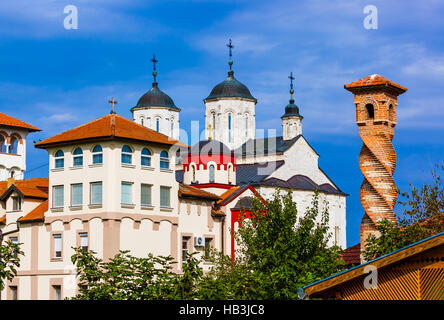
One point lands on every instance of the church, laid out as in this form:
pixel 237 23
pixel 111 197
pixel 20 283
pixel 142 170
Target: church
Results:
pixel 118 184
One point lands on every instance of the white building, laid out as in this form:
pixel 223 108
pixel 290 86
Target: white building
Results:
pixel 114 185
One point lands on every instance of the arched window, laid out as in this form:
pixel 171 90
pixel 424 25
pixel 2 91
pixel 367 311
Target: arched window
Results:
pixel 229 127
pixel 370 111
pixel 229 173
pixel 146 157
pixel 2 144
pixel 59 158
pixel 164 160
pixel 211 173
pixel 172 127
pixel 391 114
pixel 13 148
pixel 157 124
pixel 214 123
pixel 193 170
pixel 97 154
pixel 77 158
pixel 141 121
pixel 246 124
pixel 127 154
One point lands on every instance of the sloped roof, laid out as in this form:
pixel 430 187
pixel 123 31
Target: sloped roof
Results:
pixel 227 194
pixel 190 191
pixel 256 172
pixel 265 146
pixel 111 126
pixel 352 255
pixel 374 80
pixel 38 214
pixel 32 188
pixel 3 219
pixel 9 121
pixel 381 262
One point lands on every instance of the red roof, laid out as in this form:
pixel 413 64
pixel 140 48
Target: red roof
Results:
pixel 37 214
pixel 374 80
pixel 189 191
pixel 9 121
pixel 3 219
pixel 352 255
pixel 108 127
pixel 32 188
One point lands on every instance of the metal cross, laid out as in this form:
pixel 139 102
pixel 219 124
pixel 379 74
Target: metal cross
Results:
pixel 291 84
pixel 229 45
pixel 113 102
pixel 154 61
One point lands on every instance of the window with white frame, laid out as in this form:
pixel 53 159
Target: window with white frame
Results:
pixel 165 196
pixel 16 203
pixel 229 127
pixel 84 240
pixel 96 193
pixel 164 160
pixel 76 194
pixel 145 195
pixel 59 159
pixel 57 238
pixel 77 157
pixel 14 240
pixel 97 154
pixel 185 248
pixel 157 124
pixel 146 157
pixel 127 154
pixel 126 194
pixel 58 196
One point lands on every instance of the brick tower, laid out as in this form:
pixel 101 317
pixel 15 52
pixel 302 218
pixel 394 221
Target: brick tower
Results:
pixel 376 102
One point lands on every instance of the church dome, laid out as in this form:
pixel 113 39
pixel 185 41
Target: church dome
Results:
pixel 210 147
pixel 155 98
pixel 230 88
pixel 291 110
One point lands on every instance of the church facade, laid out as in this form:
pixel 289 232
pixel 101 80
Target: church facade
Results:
pixel 115 184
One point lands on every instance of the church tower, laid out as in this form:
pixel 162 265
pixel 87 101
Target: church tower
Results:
pixel 157 111
pixel 13 133
pixel 230 115
pixel 376 100
pixel 291 120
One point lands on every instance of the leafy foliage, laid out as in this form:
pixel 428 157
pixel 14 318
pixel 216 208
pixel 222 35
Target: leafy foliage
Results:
pixel 423 217
pixel 9 261
pixel 279 252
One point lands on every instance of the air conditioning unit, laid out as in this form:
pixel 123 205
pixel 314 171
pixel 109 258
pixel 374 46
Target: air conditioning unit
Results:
pixel 199 241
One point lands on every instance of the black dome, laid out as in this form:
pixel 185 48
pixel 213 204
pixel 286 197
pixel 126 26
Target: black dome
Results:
pixel 291 110
pixel 210 146
pixel 230 88
pixel 156 98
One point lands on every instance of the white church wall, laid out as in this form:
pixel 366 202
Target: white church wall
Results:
pixel 13 163
pixel 147 117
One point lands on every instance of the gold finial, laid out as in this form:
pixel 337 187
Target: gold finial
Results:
pixel 113 102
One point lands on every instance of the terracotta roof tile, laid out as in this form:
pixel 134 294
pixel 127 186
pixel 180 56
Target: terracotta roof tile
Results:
pixel 227 193
pixel 108 127
pixel 9 121
pixel 352 255
pixel 217 212
pixel 33 188
pixel 190 191
pixel 3 219
pixel 37 214
pixel 373 80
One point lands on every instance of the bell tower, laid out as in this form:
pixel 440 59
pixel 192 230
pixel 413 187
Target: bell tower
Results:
pixel 376 101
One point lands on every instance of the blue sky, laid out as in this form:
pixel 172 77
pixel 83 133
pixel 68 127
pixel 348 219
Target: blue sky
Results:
pixel 56 79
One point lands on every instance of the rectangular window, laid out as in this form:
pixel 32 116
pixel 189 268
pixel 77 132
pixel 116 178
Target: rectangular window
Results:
pixel 16 203
pixel 165 197
pixel 96 192
pixel 78 161
pixel 57 196
pixel 14 293
pixel 15 241
pixel 76 194
pixel 98 158
pixel 59 163
pixel 336 235
pixel 126 193
pixel 208 245
pixel 57 292
pixel 185 248
pixel 84 240
pixel 57 245
pixel 145 195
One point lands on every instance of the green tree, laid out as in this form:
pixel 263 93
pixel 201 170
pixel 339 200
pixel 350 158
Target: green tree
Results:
pixel 279 251
pixel 9 261
pixel 423 217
